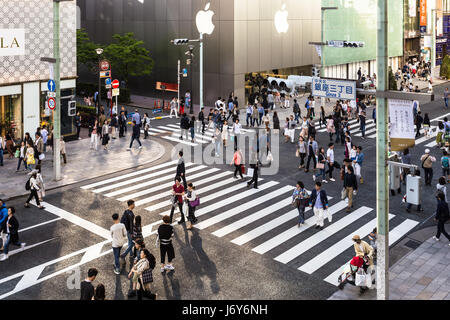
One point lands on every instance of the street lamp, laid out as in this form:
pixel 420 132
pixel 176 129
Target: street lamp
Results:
pixel 99 52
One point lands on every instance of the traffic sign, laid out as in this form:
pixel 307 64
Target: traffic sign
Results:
pixel 115 92
pixel 108 81
pixel 51 103
pixel 104 65
pixel 108 86
pixel 115 84
pixel 51 85
pixel 105 74
pixel 51 94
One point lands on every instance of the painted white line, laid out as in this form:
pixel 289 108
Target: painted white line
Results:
pixel 228 201
pixel 149 183
pixel 241 208
pixel 167 189
pixel 133 174
pixel 292 232
pixel 40 224
pixel 157 130
pixel 177 133
pixel 143 177
pixel 180 141
pixel 252 218
pixel 85 224
pixel 368 126
pixel 367 132
pixel 394 235
pixel 332 252
pixel 424 138
pixel 441 117
pixel 431 144
pixel 12 252
pixel 317 238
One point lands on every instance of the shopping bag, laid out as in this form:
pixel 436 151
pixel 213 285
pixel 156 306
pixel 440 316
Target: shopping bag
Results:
pixel 243 169
pixel 327 214
pixel 369 280
pixel 343 194
pixel 297 153
pixel 360 279
pixel 17 153
pixel 320 166
pixel 41 156
pixel 269 157
pixel 250 172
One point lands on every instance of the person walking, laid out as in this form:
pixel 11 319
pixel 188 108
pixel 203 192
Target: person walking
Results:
pixel 30 160
pixel 3 218
pixel 297 112
pixel 330 127
pixel 128 221
pixel 255 117
pixel 87 289
pixel 255 167
pixel 276 123
pixel 118 235
pixel 362 124
pixel 427 165
pixel 217 137
pixel 101 122
pixel 39 144
pixel 323 119
pixel 11 229
pixel 330 161
pixel 418 122
pixel 319 203
pixel 445 163
pixel 136 273
pixel 426 125
pixel 165 234
pixel 442 216
pixel 358 164
pixel 192 201
pixel 201 118
pixel 146 125
pixel 225 133
pixel 100 293
pixel 40 183
pixel 21 157
pixel 122 124
pixel 105 134
pixel 321 161
pixel 94 136
pixel 114 125
pixel 173 107
pixel 78 124
pixel 184 126
pixel 178 192
pixel 32 185
pixel 313 150
pixel 237 127
pixel 442 187
pixel 181 169
pixel 301 151
pixel 192 129
pixel 350 186
pixel 300 200
pixel 446 98
pixel 237 161
pixel 44 135
pixel 137 118
pixel 135 136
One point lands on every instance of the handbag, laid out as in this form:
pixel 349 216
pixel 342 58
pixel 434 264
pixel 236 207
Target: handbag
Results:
pixel 250 172
pixel 360 279
pixel 195 203
pixel 17 153
pixel 30 159
pixel 172 200
pixel 297 153
pixel 320 165
pixel 243 169
pixel 41 156
pixel 269 157
pixel 147 276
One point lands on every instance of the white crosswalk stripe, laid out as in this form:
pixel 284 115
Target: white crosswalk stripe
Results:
pixel 263 219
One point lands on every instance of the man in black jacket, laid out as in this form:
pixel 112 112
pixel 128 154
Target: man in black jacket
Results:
pixel 184 126
pixel 418 122
pixel 350 185
pixel 319 203
pixel 201 118
pixel 442 216
pixel 135 136
pixel 87 289
pixel 181 169
pixel 128 220
pixel 11 228
pixel 122 124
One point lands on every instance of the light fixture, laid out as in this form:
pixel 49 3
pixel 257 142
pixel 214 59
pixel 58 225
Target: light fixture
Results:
pixel 99 51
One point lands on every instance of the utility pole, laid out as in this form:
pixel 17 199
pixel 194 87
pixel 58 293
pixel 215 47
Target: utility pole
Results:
pixel 179 83
pixel 57 111
pixel 382 157
pixel 201 70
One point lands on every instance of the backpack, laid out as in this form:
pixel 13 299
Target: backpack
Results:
pixel 124 219
pixel 28 185
pixel 445 162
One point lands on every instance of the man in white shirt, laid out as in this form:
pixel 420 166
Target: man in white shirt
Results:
pixel 44 135
pixel 219 104
pixel 330 159
pixel 119 236
pixel 237 132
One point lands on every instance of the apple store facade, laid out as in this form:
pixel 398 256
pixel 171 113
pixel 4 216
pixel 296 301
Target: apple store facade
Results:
pixel 269 36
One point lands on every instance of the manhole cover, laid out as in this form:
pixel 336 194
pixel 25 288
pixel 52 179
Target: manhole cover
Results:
pixel 412 244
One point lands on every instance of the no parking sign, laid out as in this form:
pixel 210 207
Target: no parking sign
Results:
pixel 51 103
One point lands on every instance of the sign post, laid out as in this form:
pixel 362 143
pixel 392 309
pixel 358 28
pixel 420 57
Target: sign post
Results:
pixel 115 92
pixel 57 85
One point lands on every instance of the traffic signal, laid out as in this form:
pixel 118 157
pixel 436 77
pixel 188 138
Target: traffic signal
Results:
pixel 180 42
pixel 315 72
pixel 353 44
pixel 185 72
pixel 72 108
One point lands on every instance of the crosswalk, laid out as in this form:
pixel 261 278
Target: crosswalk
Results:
pixel 261 220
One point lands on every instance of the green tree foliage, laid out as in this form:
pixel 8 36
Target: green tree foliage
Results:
pixel 445 67
pixel 128 57
pixel 392 81
pixel 86 54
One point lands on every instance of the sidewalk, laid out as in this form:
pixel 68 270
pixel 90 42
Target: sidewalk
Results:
pixel 82 164
pixel 422 274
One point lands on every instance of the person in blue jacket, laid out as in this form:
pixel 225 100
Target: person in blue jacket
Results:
pixel 3 217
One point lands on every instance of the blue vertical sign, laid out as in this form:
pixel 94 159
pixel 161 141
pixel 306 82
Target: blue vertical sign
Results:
pixel 51 86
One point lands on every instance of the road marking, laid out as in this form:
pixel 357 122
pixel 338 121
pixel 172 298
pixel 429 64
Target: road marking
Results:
pixel 40 224
pixel 292 232
pixel 13 252
pixel 133 174
pixel 131 181
pixel 332 252
pixel 180 141
pixel 241 208
pixel 394 235
pixel 148 183
pixel 317 238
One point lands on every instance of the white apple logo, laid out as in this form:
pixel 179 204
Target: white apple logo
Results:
pixel 281 21
pixel 204 20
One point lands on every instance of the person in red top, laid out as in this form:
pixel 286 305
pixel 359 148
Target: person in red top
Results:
pixel 178 192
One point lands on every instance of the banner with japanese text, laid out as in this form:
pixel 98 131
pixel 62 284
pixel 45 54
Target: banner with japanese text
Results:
pixel 401 124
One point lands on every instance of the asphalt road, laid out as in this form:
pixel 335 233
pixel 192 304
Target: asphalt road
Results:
pixel 246 244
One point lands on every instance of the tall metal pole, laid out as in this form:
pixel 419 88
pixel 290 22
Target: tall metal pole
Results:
pixel 433 40
pixel 99 96
pixel 382 148
pixel 179 82
pixel 201 70
pixel 57 111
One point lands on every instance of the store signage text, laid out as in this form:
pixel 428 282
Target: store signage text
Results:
pixel 12 42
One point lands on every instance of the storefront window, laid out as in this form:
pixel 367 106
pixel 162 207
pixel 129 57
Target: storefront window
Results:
pixel 11 116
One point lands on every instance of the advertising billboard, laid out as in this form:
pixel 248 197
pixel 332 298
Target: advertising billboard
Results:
pixel 26 35
pixel 356 20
